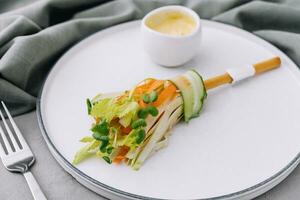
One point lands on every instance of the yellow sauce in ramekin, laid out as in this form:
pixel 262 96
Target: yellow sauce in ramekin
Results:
pixel 174 23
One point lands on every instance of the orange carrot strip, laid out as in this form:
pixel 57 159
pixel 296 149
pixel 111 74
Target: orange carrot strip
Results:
pixel 166 94
pixel 156 84
pixel 126 130
pixel 142 103
pixel 121 154
pixel 144 87
pixel 118 159
pixel 97 119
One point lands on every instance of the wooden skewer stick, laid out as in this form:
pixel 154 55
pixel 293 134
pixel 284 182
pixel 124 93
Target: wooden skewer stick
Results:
pixel 225 78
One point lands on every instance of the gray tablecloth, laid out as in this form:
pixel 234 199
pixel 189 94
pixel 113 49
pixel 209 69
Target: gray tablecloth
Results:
pixel 33 37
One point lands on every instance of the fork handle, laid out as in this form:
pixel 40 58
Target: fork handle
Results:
pixel 35 189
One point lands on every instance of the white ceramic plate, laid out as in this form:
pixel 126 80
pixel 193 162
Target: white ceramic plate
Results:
pixel 245 142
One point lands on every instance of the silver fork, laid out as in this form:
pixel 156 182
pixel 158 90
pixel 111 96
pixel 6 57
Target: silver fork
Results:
pixel 18 158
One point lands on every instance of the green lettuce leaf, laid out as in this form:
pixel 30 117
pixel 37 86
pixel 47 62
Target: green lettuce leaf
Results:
pixel 87 139
pixel 86 151
pixel 105 108
pixel 128 112
pixel 109 108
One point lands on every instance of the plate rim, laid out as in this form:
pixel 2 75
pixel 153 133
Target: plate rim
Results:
pixel 79 173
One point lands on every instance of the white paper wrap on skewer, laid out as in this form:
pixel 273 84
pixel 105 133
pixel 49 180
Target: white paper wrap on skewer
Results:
pixel 241 73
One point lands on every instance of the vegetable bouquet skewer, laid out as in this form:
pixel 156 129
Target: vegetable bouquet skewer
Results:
pixel 132 125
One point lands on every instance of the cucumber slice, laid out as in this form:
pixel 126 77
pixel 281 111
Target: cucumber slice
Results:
pixel 193 92
pixel 200 91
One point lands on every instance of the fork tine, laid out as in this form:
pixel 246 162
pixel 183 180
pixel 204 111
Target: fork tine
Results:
pixel 5 141
pixel 10 135
pixel 2 152
pixel 15 127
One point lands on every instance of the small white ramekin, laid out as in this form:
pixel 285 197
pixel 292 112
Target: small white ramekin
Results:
pixel 170 50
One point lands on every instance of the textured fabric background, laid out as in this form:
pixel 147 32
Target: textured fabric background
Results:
pixel 33 35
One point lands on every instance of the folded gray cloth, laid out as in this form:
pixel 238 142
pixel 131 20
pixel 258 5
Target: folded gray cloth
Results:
pixel 33 35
